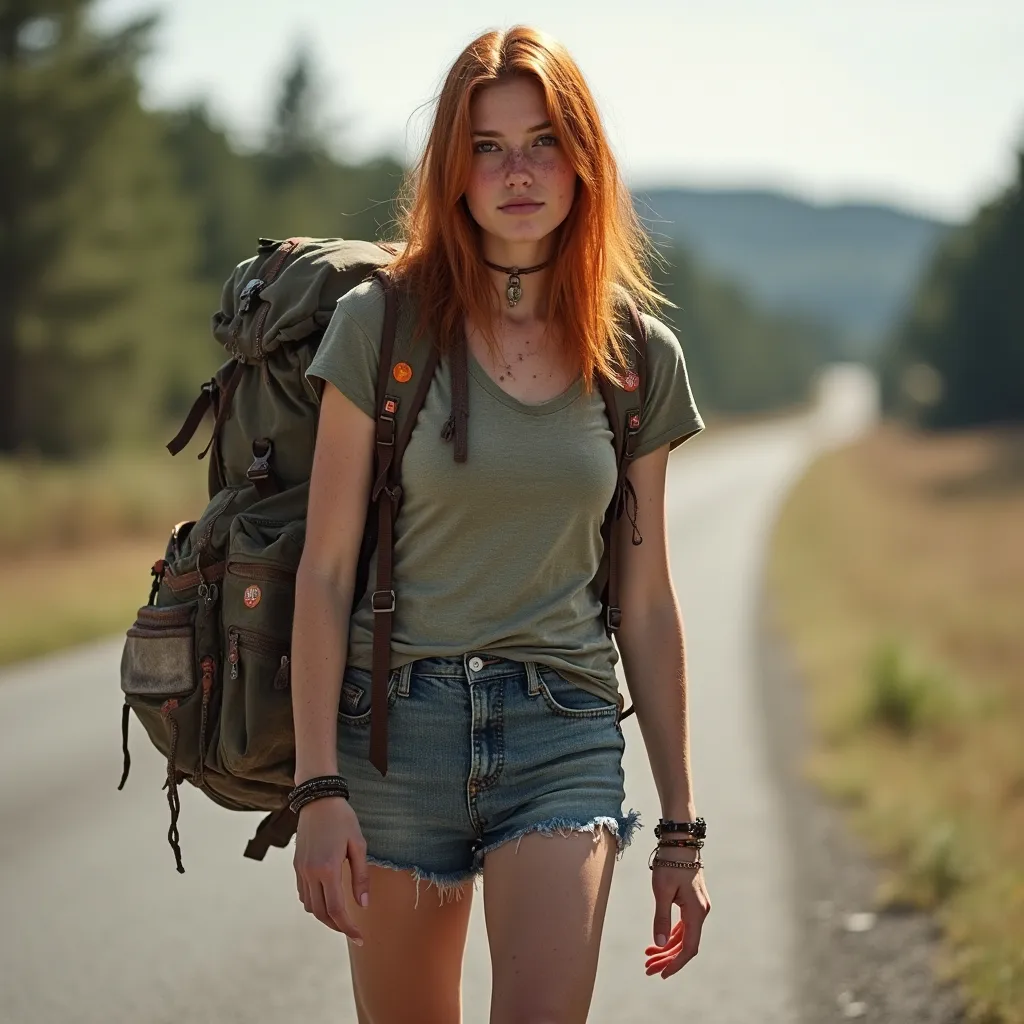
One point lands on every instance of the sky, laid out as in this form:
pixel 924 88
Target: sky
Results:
pixel 917 103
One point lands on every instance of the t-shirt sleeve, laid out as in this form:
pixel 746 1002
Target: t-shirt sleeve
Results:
pixel 670 414
pixel 349 352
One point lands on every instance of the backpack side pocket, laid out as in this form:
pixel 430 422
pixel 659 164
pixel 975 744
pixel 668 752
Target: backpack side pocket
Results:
pixel 257 737
pixel 170 691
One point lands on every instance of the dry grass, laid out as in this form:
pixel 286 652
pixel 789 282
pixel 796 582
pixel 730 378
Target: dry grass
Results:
pixel 899 566
pixel 76 544
pixel 51 506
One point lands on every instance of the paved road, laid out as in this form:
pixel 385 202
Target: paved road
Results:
pixel 95 925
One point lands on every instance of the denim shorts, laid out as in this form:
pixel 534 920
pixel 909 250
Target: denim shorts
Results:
pixel 481 750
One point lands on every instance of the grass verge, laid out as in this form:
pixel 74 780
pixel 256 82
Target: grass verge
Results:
pixel 898 564
pixel 77 542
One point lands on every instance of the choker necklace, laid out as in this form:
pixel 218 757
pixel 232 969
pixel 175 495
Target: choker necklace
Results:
pixel 514 291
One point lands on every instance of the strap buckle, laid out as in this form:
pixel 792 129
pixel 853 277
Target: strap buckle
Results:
pixel 613 618
pixel 260 469
pixel 380 596
pixel 386 421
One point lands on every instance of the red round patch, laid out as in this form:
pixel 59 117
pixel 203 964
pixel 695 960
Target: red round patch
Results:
pixel 631 381
pixel 402 372
pixel 252 596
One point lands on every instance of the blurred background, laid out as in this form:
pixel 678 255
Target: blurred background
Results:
pixel 826 183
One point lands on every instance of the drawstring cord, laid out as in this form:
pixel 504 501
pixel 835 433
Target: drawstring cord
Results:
pixel 628 492
pixel 125 712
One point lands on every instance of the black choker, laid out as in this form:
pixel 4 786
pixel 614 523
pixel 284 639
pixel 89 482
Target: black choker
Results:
pixel 514 291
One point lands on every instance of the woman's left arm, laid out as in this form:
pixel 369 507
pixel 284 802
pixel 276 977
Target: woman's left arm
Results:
pixel 650 640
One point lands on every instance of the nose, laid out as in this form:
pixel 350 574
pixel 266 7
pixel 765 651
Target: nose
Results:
pixel 516 170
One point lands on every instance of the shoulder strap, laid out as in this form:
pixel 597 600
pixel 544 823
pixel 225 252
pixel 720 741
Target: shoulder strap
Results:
pixel 624 402
pixel 401 391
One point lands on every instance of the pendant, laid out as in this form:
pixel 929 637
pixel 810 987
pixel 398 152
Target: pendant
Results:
pixel 514 290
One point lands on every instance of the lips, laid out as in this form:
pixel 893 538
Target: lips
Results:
pixel 512 203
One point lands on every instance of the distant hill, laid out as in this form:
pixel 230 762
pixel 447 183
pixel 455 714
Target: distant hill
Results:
pixel 855 266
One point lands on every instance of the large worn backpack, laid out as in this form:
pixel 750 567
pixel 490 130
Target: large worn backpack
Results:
pixel 206 665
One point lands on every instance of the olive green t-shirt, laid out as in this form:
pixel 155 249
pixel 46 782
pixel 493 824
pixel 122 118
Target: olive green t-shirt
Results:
pixel 498 554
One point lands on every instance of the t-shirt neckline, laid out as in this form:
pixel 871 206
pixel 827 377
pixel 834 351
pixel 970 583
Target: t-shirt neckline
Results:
pixel 483 378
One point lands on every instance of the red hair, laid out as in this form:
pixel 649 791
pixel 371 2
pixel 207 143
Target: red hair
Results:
pixel 601 244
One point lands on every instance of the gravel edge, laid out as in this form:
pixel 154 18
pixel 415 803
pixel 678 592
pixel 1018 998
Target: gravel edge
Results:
pixel 885 972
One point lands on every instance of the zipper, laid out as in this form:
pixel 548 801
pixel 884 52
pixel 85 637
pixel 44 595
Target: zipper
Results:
pixel 260 571
pixel 210 592
pixel 239 638
pixel 208 666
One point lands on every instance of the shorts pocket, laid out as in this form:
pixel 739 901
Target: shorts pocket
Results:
pixel 356 691
pixel 566 698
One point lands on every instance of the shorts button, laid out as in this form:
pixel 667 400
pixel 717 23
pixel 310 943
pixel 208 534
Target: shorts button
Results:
pixel 476 664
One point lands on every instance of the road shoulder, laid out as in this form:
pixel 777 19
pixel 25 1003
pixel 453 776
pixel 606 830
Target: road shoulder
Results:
pixel 850 967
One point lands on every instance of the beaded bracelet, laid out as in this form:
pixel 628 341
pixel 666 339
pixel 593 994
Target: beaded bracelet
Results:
pixel 695 844
pixel 315 789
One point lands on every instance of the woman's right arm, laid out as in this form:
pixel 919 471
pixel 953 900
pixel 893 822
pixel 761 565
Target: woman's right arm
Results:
pixel 338 495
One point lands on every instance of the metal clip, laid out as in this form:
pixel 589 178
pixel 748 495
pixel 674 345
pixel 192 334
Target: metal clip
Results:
pixel 260 469
pixel 250 293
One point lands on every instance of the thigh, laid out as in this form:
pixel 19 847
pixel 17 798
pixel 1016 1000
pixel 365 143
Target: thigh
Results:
pixel 410 966
pixel 545 898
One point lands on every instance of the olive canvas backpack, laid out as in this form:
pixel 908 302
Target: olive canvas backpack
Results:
pixel 206 666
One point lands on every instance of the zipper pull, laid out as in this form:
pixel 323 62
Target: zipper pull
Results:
pixel 233 652
pixel 208 665
pixel 284 675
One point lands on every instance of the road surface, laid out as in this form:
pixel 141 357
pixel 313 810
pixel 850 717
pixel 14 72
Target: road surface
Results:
pixel 98 928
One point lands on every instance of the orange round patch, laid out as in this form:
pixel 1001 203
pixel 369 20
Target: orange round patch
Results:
pixel 631 381
pixel 402 372
pixel 252 596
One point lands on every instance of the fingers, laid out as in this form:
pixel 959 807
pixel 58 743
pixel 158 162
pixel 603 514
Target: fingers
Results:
pixel 663 903
pixel 360 874
pixel 334 908
pixel 319 904
pixel 684 942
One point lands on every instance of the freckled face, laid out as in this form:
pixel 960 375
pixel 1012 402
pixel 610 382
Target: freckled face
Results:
pixel 517 157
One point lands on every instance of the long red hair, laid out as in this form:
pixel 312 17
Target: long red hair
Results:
pixel 601 244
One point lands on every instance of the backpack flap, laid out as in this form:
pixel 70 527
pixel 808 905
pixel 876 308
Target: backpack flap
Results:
pixel 289 290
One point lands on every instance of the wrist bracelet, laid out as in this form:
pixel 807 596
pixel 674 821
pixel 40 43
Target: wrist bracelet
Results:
pixel 655 861
pixel 315 789
pixel 695 844
pixel 698 828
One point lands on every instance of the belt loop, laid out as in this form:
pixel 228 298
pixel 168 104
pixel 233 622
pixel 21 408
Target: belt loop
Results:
pixel 404 678
pixel 532 678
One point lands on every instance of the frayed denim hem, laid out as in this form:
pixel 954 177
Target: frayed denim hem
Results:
pixel 623 829
pixel 448 883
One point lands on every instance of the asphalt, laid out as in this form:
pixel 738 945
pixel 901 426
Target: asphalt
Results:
pixel 98 927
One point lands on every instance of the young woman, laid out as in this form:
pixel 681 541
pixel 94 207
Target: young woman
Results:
pixel 504 709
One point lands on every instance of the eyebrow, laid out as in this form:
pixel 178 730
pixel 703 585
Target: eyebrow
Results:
pixel 497 135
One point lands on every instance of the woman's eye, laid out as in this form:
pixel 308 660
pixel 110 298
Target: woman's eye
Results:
pixel 551 140
pixel 477 149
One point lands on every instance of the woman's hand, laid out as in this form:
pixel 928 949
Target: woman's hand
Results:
pixel 673 948
pixel 329 832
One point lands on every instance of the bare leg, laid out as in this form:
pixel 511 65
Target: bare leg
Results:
pixel 410 968
pixel 545 905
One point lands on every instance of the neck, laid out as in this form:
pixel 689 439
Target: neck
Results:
pixel 532 305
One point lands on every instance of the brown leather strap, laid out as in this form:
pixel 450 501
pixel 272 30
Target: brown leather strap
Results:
pixel 386 494
pixel 225 405
pixel 460 396
pixel 624 431
pixel 276 829
pixel 199 409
